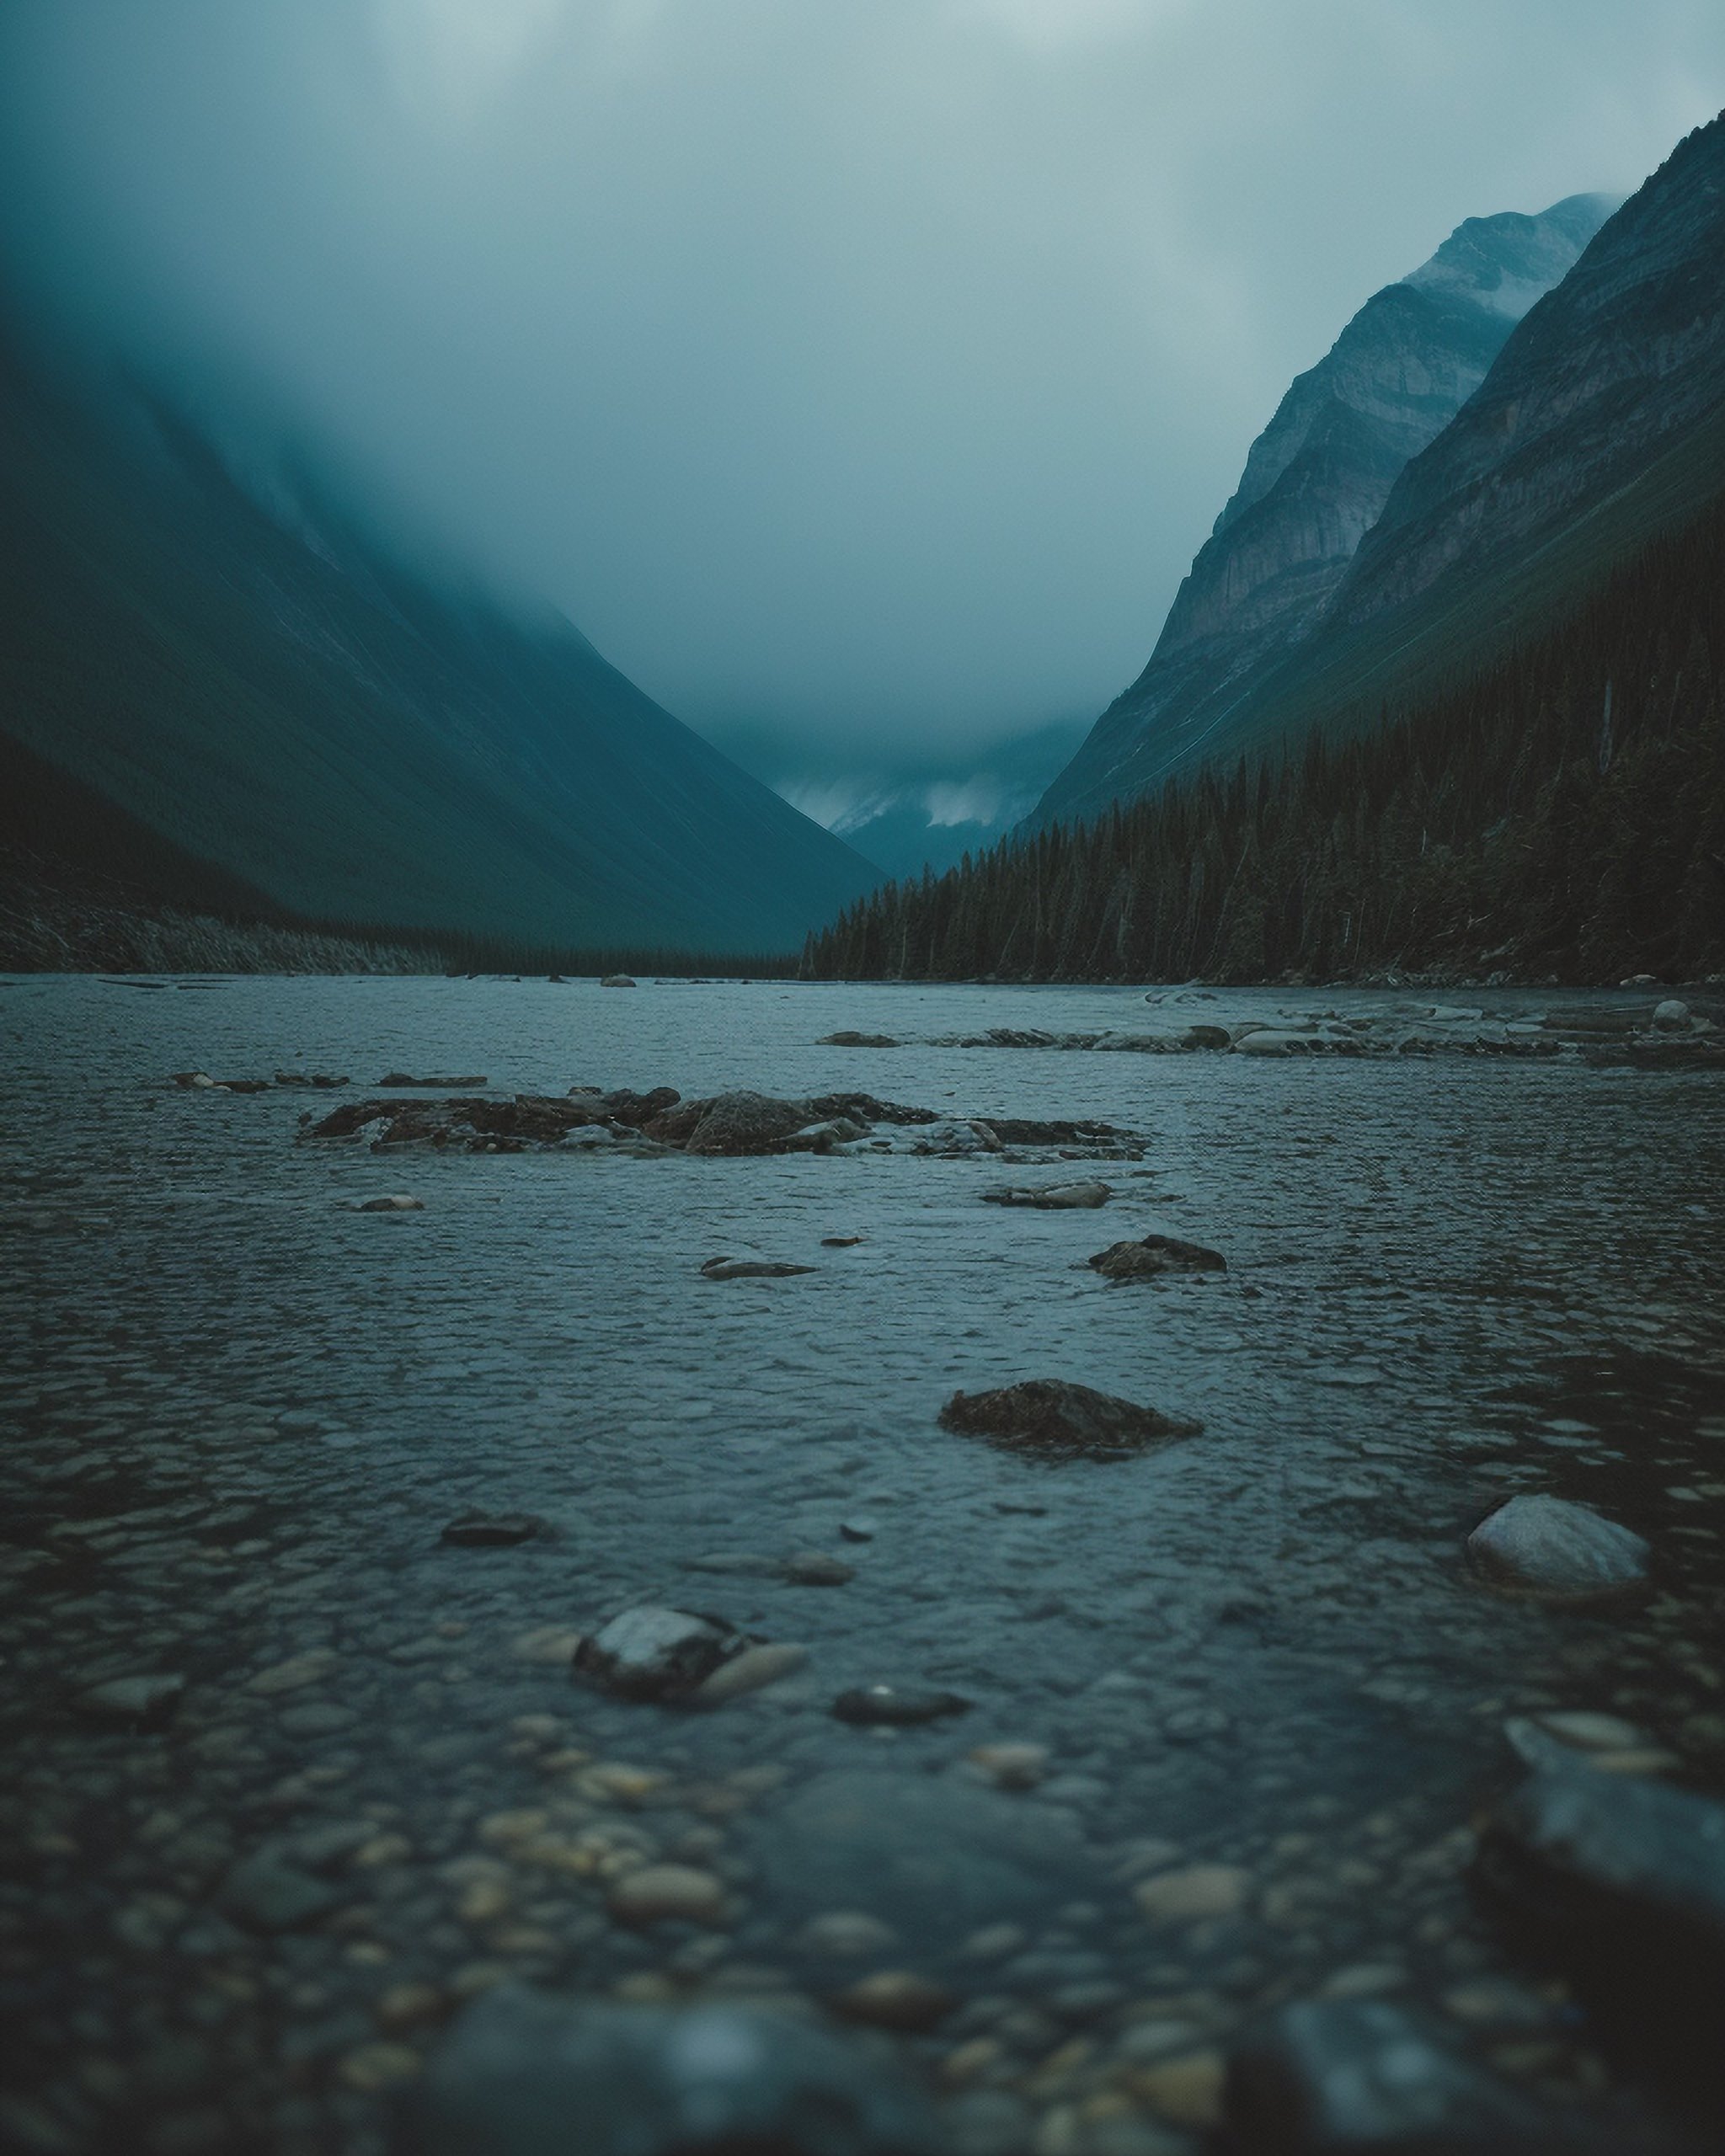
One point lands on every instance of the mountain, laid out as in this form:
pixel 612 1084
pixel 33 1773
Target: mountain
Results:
pixel 907 812
pixel 1316 482
pixel 277 700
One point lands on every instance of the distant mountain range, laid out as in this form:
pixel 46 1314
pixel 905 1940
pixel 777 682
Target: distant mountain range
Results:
pixel 1316 482
pixel 916 812
pixel 271 710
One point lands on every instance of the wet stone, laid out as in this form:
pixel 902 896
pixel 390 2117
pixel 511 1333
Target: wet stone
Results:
pixel 895 1999
pixel 1552 1550
pixel 1059 1197
pixel 1622 1880
pixel 1051 1415
pixel 520 2067
pixel 493 1530
pixel 659 1893
pixel 814 1568
pixel 1322 2078
pixel 130 1702
pixel 893 1706
pixel 1152 1256
pixel 653 1653
pixel 751 1269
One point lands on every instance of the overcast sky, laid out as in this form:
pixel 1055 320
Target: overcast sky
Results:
pixel 864 372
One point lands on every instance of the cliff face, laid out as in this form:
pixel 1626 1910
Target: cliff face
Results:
pixel 1605 377
pixel 1316 482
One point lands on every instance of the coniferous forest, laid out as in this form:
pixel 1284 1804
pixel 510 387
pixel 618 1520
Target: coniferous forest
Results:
pixel 1559 816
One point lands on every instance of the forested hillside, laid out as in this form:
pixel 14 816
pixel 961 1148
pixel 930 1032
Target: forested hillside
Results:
pixel 1561 815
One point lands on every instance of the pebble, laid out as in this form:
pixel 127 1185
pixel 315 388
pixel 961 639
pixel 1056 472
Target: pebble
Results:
pixel 1012 1766
pixel 1186 2090
pixel 1193 1892
pixel 374 2068
pixel 662 1892
pixel 814 1568
pixel 896 1998
pixel 846 1935
pixel 294 1674
pixel 752 1670
pixel 140 1701
pixel 492 1530
pixel 888 1705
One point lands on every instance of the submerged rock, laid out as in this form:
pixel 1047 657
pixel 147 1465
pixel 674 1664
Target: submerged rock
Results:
pixel 1056 1197
pixel 401 1079
pixel 883 1706
pixel 936 1857
pixel 750 1268
pixel 269 1892
pixel 752 1669
pixel 130 1702
pixel 858 1040
pixel 1552 1550
pixel 1049 1415
pixel 522 2073
pixel 653 1653
pixel 1622 1880
pixel 1151 1256
pixel 896 1998
pixel 492 1530
pixel 1360 2076
pixel 661 1893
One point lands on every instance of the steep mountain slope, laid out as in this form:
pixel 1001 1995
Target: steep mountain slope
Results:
pixel 345 737
pixel 1315 481
pixel 1620 364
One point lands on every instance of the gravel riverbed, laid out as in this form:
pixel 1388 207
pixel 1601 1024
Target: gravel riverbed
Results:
pixel 290 1778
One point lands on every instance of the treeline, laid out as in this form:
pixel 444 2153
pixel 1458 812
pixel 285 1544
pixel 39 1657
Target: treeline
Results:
pixel 1561 815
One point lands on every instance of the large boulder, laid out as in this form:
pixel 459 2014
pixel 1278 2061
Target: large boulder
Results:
pixel 1551 1550
pixel 747 1122
pixel 1051 1415
pixel 523 2074
pixel 1370 2079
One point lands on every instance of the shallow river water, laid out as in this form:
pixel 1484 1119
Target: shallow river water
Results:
pixel 240 1414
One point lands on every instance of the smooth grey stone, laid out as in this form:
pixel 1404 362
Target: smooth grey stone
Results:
pixel 652 1653
pixel 522 2073
pixel 1556 1551
pixel 1361 2077
pixel 888 1706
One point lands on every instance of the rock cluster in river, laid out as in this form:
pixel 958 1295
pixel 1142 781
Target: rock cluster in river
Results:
pixel 724 1125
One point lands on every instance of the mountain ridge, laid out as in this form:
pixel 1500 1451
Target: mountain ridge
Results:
pixel 1314 484
pixel 344 735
